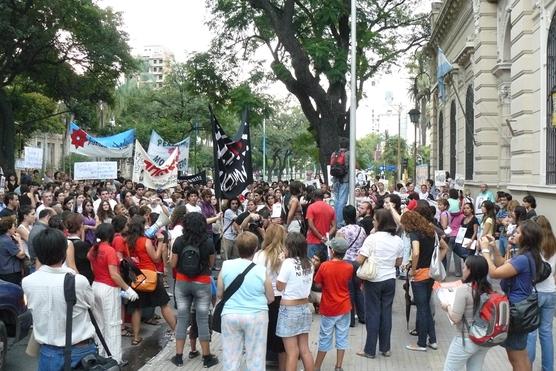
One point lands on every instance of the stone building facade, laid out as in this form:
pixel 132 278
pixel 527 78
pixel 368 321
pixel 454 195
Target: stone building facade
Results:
pixel 494 124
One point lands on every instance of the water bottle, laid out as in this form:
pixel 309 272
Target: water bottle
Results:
pixel 124 296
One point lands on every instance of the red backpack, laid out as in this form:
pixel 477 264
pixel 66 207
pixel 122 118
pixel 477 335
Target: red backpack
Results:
pixel 338 168
pixel 491 322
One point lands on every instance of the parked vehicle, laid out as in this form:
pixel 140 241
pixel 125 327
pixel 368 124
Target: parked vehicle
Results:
pixel 15 318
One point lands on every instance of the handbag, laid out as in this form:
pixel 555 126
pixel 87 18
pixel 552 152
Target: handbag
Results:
pixel 524 315
pixel 146 281
pixel 230 290
pixel 368 270
pixel 544 272
pixel 436 269
pixel 90 362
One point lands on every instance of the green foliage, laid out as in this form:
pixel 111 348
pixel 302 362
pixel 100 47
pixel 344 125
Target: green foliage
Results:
pixel 366 148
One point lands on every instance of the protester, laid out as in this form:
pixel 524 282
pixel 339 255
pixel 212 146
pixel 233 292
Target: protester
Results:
pixel 294 317
pixel 463 352
pixel 518 275
pixel 547 300
pixel 11 202
pixel 530 205
pixel 74 225
pixel 245 314
pixel 335 309
pixel 295 220
pixel 89 221
pixel 106 289
pixel 12 251
pixel 193 283
pixel 386 248
pixel 104 213
pixel 27 219
pixel 231 229
pixel 321 221
pixel 488 221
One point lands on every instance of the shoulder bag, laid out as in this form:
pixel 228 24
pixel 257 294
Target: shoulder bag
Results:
pixel 230 290
pixel 436 270
pixel 368 270
pixel 524 315
pixel 91 362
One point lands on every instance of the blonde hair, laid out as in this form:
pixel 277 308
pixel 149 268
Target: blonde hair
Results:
pixel 273 246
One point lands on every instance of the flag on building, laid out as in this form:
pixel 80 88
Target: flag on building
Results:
pixel 443 67
pixel 159 150
pixel 232 159
pixel 150 173
pixel 114 146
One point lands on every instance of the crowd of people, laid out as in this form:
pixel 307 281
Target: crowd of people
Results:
pixel 274 255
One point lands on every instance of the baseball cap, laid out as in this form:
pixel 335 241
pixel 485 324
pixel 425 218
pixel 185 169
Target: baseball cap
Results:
pixel 339 245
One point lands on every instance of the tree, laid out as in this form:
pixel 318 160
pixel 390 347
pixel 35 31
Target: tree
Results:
pixel 72 51
pixel 390 150
pixel 366 148
pixel 420 89
pixel 309 43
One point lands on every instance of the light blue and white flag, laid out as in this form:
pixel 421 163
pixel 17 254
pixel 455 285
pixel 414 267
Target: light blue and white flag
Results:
pixel 442 69
pixel 114 146
pixel 159 150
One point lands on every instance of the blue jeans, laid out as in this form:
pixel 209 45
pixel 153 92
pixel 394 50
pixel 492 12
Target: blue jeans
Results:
pixel 502 244
pixel 547 306
pixel 356 295
pixel 334 327
pixel 186 292
pixel 312 250
pixel 468 357
pixel 51 358
pixel 379 297
pixel 342 193
pixel 422 291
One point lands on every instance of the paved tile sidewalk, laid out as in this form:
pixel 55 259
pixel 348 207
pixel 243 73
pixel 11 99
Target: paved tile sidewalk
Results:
pixel 401 359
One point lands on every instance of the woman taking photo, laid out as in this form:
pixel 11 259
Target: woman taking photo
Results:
pixel 245 314
pixel 106 289
pixel 387 249
pixel 517 276
pixel 271 256
pixel 294 318
pixel 146 255
pixel 193 288
pixel 464 353
pixel 547 300
pixel 422 237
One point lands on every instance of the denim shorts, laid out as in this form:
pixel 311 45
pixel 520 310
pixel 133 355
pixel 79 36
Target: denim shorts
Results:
pixel 293 320
pixel 330 325
pixel 516 341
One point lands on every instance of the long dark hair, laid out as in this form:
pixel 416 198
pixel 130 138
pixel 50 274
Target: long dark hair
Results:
pixel 103 233
pixel 194 229
pixel 385 222
pixel 296 245
pixel 84 210
pixel 490 213
pixel 530 241
pixel 478 272
pixel 135 229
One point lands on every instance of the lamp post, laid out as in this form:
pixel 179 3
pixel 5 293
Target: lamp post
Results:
pixel 414 118
pixel 353 104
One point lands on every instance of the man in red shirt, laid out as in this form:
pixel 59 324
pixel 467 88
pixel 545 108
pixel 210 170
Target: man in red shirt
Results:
pixel 321 220
pixel 335 305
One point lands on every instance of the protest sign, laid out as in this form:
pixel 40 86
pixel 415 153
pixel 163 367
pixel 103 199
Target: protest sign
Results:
pixel 95 170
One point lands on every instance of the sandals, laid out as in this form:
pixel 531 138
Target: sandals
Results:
pixel 136 341
pixel 126 333
pixel 414 332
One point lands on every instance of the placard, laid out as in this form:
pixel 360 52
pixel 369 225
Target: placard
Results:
pixel 459 182
pixel 32 158
pixel 19 163
pixel 440 178
pixel 95 170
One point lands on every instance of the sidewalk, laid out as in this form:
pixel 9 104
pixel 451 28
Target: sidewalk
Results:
pixel 401 358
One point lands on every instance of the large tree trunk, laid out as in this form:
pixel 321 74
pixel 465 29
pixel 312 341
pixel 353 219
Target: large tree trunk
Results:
pixel 7 135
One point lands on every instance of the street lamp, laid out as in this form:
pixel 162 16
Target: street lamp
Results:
pixel 414 118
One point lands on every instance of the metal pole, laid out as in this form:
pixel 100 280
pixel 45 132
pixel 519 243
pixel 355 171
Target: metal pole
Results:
pixel 399 142
pixel 264 149
pixel 415 154
pixel 353 104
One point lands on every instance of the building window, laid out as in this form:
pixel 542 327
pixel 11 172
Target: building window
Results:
pixel 51 153
pixel 453 152
pixel 441 141
pixel 469 132
pixel 551 86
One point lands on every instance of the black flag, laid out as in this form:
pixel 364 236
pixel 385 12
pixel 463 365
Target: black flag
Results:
pixel 199 178
pixel 232 159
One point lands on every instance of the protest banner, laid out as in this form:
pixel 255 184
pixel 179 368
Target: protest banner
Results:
pixel 95 170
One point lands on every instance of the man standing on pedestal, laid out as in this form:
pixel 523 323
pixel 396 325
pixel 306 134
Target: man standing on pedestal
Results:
pixel 340 179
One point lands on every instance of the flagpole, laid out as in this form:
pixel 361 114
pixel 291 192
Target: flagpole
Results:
pixel 353 105
pixel 264 149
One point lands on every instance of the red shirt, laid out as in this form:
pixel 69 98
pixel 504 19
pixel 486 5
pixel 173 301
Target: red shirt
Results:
pixel 322 216
pixel 106 256
pixel 140 252
pixel 119 244
pixel 334 276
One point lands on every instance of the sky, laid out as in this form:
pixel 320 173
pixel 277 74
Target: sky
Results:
pixel 179 25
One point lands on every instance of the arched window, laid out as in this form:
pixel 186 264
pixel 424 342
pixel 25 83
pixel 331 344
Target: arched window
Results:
pixel 469 132
pixel 453 151
pixel 440 141
pixel 551 86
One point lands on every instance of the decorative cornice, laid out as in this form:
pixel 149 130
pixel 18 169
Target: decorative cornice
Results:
pixel 442 23
pixel 501 68
pixel 464 55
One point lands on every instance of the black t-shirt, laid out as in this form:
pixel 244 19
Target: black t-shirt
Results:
pixel 206 249
pixel 253 225
pixel 469 226
pixel 81 249
pixel 6 212
pixel 367 224
pixel 24 200
pixel 426 248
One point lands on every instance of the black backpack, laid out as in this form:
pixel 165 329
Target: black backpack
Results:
pixel 190 261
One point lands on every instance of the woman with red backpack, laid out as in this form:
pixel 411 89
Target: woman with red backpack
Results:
pixel 463 352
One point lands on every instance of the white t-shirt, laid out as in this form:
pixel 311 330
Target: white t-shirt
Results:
pixel 193 209
pixel 260 259
pixel 229 231
pixel 387 249
pixel 97 202
pixel 298 283
pixel 548 285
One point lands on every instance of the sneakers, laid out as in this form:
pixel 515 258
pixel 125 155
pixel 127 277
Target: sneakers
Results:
pixel 194 354
pixel 177 360
pixel 210 360
pixel 415 348
pixel 387 353
pixel 433 346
